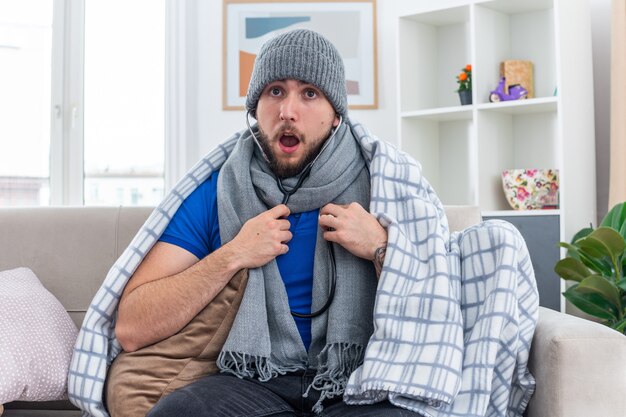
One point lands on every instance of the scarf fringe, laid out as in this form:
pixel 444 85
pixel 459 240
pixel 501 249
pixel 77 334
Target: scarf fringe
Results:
pixel 332 382
pixel 244 365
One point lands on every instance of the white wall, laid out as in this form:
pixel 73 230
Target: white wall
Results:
pixel 213 125
pixel 601 44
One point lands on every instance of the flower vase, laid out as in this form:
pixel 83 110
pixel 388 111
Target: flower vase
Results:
pixel 465 96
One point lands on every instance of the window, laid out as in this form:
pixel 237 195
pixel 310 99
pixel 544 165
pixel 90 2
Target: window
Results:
pixel 82 89
pixel 25 88
pixel 124 102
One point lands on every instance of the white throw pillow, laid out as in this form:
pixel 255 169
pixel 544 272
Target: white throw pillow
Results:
pixel 36 340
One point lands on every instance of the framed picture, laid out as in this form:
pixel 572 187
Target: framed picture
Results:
pixel 350 25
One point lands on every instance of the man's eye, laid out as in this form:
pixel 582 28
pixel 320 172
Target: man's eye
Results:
pixel 275 91
pixel 310 93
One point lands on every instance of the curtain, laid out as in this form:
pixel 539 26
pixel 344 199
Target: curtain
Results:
pixel 617 180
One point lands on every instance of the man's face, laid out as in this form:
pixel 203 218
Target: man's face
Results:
pixel 295 119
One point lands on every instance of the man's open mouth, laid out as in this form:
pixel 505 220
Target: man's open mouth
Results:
pixel 288 143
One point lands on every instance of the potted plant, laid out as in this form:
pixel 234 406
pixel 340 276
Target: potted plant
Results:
pixel 464 79
pixel 596 263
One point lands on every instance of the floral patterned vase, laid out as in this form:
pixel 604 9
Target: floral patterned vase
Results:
pixel 531 189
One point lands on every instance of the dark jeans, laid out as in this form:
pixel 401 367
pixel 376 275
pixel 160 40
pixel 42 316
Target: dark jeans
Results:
pixel 228 396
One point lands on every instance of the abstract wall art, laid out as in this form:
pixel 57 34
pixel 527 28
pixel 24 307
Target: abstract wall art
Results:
pixel 349 25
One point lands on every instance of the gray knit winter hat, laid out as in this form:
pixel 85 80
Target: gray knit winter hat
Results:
pixel 303 55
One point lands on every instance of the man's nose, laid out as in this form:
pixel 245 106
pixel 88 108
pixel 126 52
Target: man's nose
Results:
pixel 289 108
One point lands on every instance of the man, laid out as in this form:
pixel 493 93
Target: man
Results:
pixel 345 313
pixel 299 100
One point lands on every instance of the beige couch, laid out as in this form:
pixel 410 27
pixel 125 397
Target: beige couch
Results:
pixel 580 366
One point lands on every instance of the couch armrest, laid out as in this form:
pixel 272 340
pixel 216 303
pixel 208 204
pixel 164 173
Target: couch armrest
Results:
pixel 579 366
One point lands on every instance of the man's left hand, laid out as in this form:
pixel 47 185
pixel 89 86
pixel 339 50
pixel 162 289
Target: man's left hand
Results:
pixel 354 228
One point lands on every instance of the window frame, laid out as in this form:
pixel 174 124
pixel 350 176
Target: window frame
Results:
pixel 67 99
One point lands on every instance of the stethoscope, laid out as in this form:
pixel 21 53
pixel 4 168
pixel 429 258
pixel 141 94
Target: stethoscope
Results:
pixel 286 195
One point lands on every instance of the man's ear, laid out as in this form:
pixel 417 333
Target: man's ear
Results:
pixel 336 120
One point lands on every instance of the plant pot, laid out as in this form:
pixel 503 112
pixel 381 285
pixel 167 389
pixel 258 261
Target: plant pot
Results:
pixel 466 97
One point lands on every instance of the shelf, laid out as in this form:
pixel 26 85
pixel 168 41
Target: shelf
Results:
pixel 441 114
pixel 463 150
pixel 439 18
pixel 513 140
pixel 528 106
pixel 444 146
pixel 422 38
pixel 526 31
pixel 509 213
pixel 516 6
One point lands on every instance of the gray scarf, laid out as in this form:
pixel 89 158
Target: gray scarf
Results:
pixel 264 339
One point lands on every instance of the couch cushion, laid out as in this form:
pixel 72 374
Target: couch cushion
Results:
pixel 36 340
pixel 462 217
pixel 70 249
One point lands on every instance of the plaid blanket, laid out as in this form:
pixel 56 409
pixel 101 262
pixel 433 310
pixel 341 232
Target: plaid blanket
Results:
pixel 454 315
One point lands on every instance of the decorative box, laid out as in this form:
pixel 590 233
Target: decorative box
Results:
pixel 518 72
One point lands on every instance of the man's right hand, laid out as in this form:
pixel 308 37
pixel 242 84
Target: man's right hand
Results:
pixel 171 286
pixel 263 238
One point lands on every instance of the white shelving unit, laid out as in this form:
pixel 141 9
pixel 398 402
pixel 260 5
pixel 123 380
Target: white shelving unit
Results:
pixel 464 149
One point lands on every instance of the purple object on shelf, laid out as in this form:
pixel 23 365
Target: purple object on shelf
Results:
pixel 516 92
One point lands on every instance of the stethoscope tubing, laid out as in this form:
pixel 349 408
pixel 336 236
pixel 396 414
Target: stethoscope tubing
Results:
pixel 286 195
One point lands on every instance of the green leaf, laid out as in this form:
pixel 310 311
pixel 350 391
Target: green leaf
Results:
pixel 572 250
pixel 591 248
pixel 622 284
pixel 605 241
pixel 620 326
pixel 571 269
pixel 582 233
pixel 568 246
pixel 599 265
pixel 590 303
pixel 601 286
pixel 616 217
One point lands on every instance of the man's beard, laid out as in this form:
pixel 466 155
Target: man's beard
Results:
pixel 282 170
